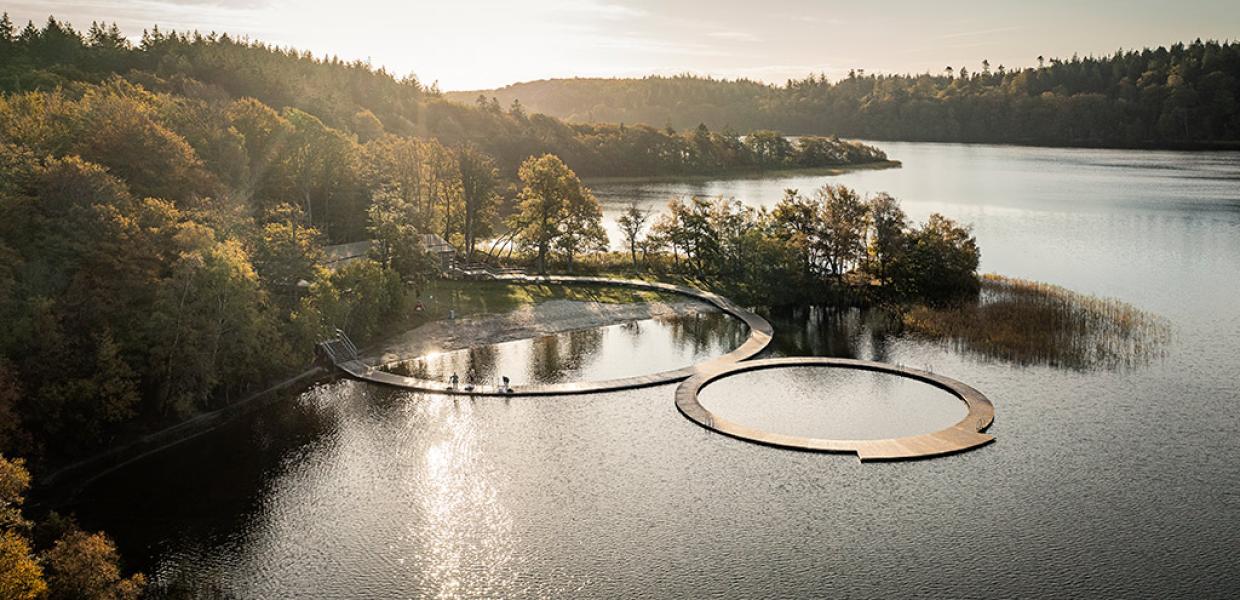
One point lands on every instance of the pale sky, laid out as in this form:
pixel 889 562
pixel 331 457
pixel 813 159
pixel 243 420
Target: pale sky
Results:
pixel 471 44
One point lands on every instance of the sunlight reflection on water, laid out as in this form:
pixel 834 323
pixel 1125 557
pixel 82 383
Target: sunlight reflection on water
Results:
pixel 1102 482
pixel 597 354
pixel 467 537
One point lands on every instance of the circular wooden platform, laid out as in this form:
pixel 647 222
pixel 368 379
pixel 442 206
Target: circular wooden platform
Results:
pixel 962 436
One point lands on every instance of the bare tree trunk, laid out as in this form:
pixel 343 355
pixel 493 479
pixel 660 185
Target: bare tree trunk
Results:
pixel 447 219
pixel 469 235
pixel 309 207
pixel 176 343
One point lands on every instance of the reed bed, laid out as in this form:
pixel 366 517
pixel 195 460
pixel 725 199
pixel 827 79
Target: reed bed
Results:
pixel 1028 322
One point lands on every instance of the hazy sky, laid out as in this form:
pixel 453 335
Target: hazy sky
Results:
pixel 469 44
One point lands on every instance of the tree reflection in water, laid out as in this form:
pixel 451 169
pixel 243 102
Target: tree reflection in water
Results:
pixel 707 332
pixel 609 352
pixel 557 357
pixel 1031 323
pixel 834 332
pixel 1015 321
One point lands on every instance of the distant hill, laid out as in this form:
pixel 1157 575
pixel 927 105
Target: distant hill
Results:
pixel 682 101
pixel 1182 95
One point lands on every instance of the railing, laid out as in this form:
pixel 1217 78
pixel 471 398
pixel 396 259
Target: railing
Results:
pixel 480 270
pixel 340 349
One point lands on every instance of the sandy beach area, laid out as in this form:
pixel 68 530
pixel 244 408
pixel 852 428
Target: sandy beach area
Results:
pixel 530 321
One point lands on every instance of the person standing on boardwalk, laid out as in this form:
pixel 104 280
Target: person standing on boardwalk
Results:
pixel 454 380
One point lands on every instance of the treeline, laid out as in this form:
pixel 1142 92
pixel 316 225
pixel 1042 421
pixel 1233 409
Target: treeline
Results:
pixel 1182 95
pixel 357 100
pixel 830 248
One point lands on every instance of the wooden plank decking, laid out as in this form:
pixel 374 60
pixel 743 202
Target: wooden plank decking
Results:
pixel 966 434
pixel 760 333
pixel 962 436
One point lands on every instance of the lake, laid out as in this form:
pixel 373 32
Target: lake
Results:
pixel 599 354
pixel 1115 482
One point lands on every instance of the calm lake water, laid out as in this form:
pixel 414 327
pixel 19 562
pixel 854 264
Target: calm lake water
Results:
pixel 842 404
pixel 1101 482
pixel 598 354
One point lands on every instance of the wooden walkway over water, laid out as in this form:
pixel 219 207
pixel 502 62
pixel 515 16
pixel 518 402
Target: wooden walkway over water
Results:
pixel 965 435
pixel 760 333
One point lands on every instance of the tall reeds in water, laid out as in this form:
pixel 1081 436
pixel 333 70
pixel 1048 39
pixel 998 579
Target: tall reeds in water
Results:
pixel 1028 322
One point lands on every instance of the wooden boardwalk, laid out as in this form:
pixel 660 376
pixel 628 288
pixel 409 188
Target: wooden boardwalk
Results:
pixel 966 434
pixel 962 436
pixel 760 333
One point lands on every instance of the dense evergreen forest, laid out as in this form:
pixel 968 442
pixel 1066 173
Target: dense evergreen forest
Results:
pixel 1185 95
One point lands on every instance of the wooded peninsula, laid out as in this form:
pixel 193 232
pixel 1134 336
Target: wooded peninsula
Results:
pixel 166 205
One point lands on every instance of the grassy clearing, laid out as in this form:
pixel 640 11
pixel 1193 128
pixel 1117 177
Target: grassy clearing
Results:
pixel 439 297
pixel 475 297
pixel 1027 322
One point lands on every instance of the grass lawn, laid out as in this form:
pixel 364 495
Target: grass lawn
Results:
pixel 474 297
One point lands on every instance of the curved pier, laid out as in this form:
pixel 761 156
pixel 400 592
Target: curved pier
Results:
pixel 964 435
pixel 760 333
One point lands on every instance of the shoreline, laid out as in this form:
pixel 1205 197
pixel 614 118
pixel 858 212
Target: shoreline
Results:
pixel 1224 146
pixel 745 174
pixel 760 333
pixel 529 321
pixel 61 486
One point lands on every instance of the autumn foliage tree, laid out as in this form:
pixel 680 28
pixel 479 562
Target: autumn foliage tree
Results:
pixel 480 194
pixel 555 210
pixel 829 248
pixel 77 566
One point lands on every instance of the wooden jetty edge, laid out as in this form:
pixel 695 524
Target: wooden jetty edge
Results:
pixel 964 435
pixel 760 333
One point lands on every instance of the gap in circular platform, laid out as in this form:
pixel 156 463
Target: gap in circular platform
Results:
pixel 832 402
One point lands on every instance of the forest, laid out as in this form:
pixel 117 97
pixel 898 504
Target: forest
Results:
pixel 164 208
pixel 356 100
pixel 1184 95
